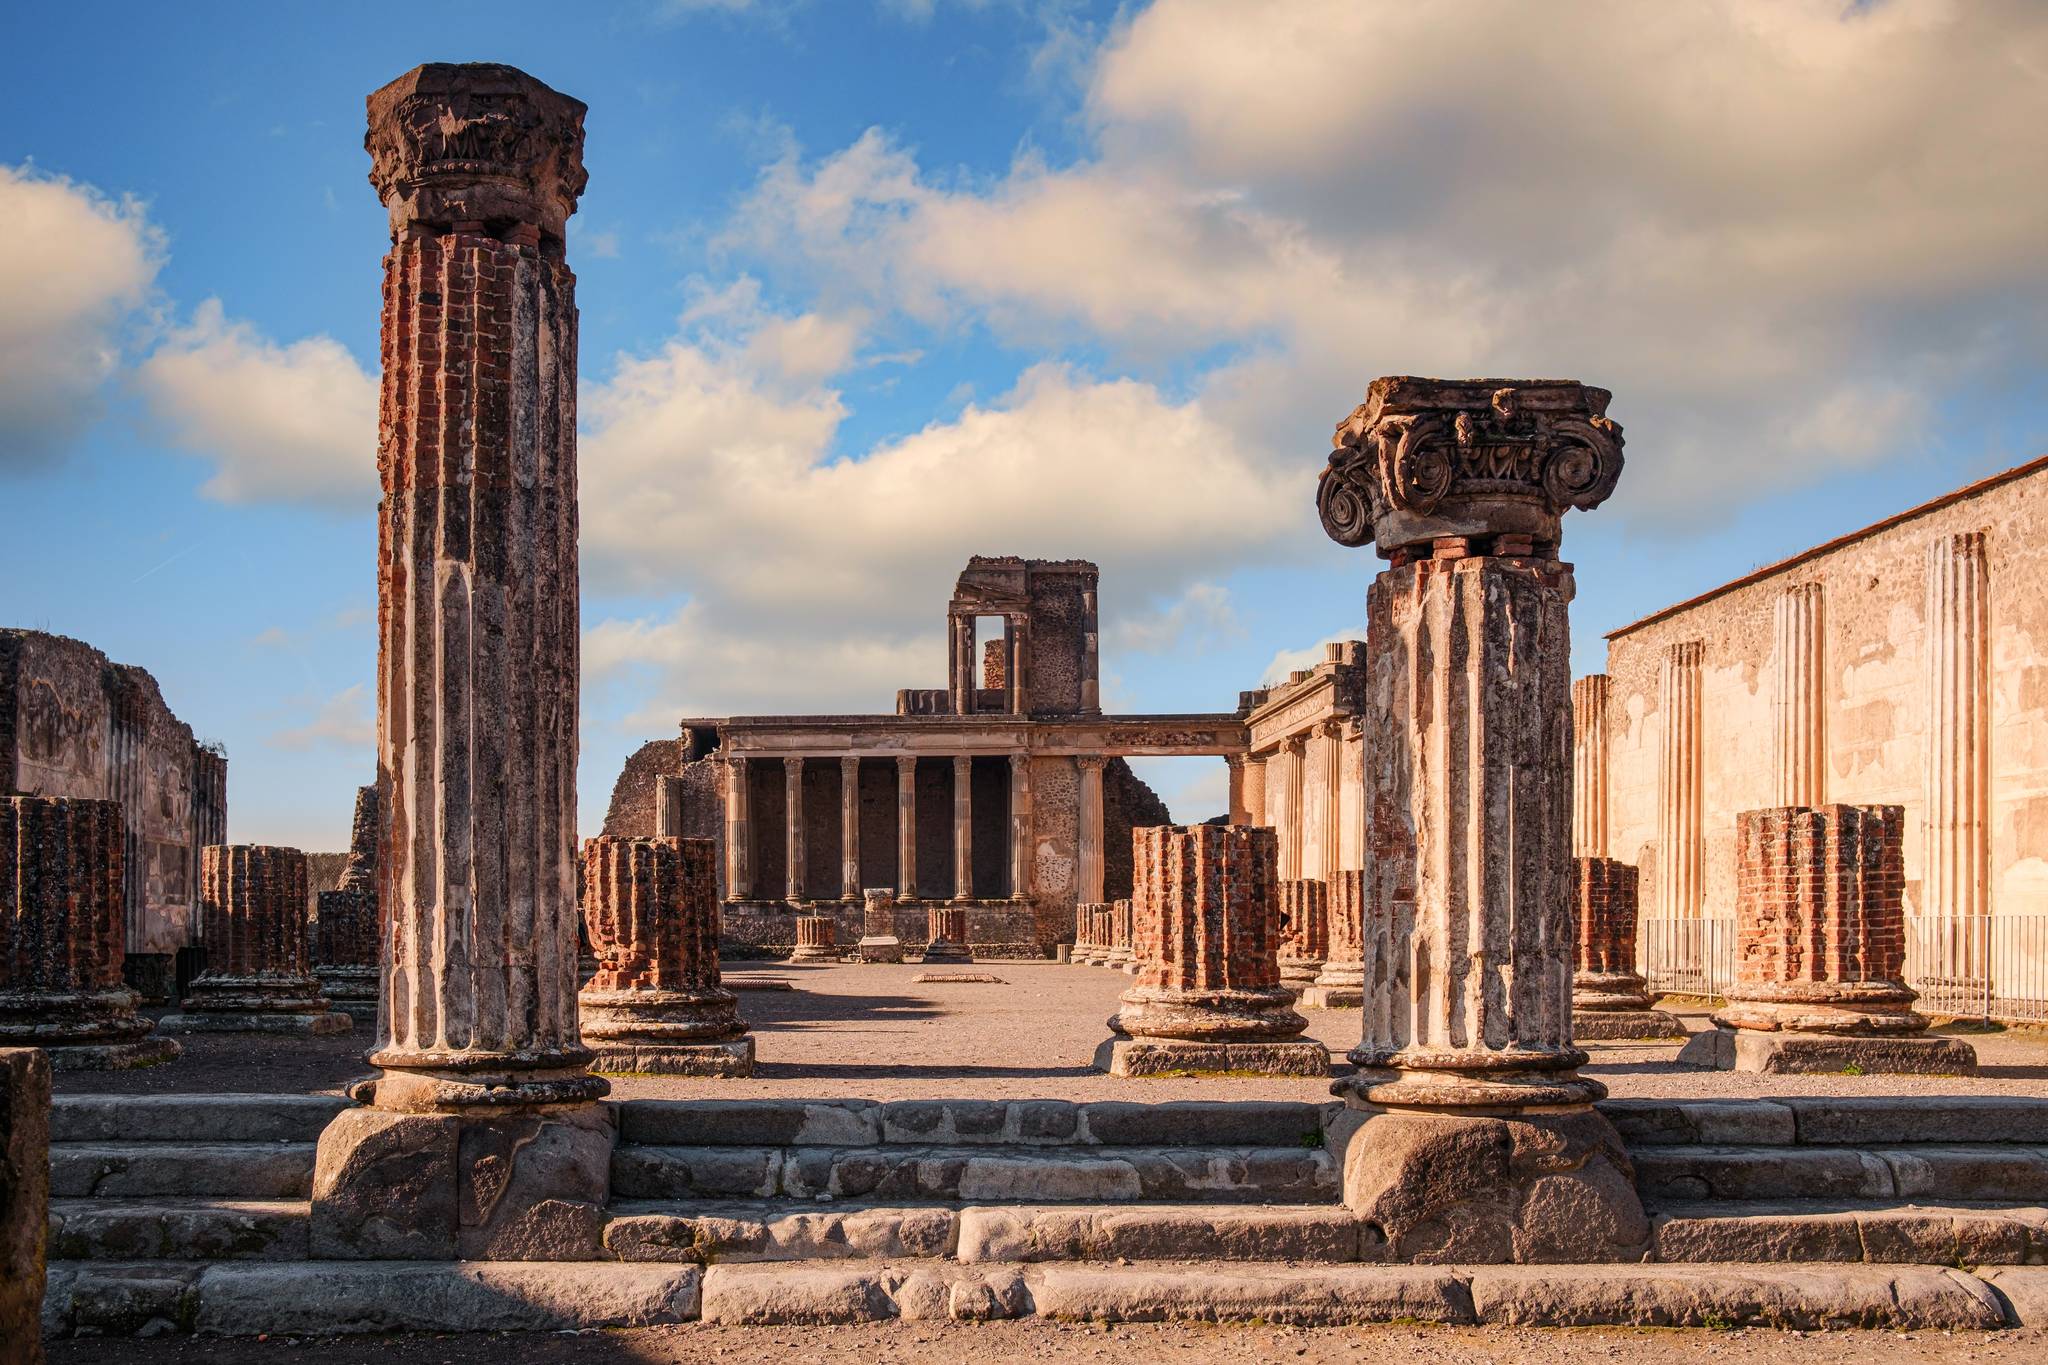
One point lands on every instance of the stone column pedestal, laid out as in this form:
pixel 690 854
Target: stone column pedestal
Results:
pixel 1479 1141
pixel 257 980
pixel 817 939
pixel 1610 999
pixel 1339 983
pixel 946 935
pixel 1820 951
pixel 656 1004
pixel 1304 910
pixel 63 937
pixel 345 936
pixel 1122 954
pixel 1208 996
pixel 878 940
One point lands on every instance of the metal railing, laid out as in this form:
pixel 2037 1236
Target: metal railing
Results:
pixel 1688 956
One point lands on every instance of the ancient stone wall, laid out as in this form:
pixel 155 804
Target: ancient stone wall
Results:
pixel 1057 641
pixel 1820 893
pixel 1127 804
pixel 24 1198
pixel 631 812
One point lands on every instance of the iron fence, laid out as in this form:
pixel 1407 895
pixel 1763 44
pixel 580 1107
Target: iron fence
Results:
pixel 1980 966
pixel 1688 956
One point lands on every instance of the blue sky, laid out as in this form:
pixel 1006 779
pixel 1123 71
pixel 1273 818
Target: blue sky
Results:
pixel 867 289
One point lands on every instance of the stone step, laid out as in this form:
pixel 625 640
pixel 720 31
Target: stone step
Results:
pixel 306 1298
pixel 192 1118
pixel 1852 1230
pixel 1029 1123
pixel 1848 1121
pixel 181 1170
pixel 178 1229
pixel 1020 1175
pixel 1989 1172
pixel 762 1230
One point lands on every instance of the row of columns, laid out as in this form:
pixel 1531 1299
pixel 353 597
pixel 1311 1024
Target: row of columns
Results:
pixel 1297 790
pixel 966 661
pixel 739 819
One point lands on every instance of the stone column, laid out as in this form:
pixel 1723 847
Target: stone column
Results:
pixel 668 806
pixel 1589 766
pixel 849 829
pixel 657 1004
pixel 1955 882
pixel 1820 924
pixel 817 939
pixel 1294 820
pixel 793 854
pixel 257 978
pixel 945 936
pixel 346 940
pixel 878 942
pixel 1208 996
pixel 1015 628
pixel 1463 486
pixel 63 936
pixel 739 830
pixel 1681 842
pixel 483 1115
pixel 1086 950
pixel 1610 999
pixel 906 828
pixel 1341 984
pixel 1304 910
pixel 1799 700
pixel 1239 810
pixel 1122 954
pixel 963 663
pixel 1251 789
pixel 1351 798
pixel 1312 846
pixel 963 828
pixel 1088 853
pixel 1020 826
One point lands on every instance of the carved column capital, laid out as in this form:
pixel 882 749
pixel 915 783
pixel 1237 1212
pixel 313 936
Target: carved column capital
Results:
pixel 1092 763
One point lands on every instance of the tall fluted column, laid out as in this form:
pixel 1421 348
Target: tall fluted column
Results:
pixel 1589 766
pixel 1463 486
pixel 739 830
pixel 1311 850
pixel 963 828
pixel 1251 787
pixel 1290 820
pixel 849 829
pixel 480 167
pixel 964 663
pixel 793 850
pixel 1681 841
pixel 1955 877
pixel 1020 826
pixel 668 806
pixel 906 828
pixel 257 977
pixel 1089 841
pixel 1799 703
pixel 1239 809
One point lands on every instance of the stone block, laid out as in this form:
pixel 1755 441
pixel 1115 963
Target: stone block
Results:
pixel 1991 1172
pixel 153 1170
pixel 1805 1297
pixel 2023 1292
pixel 750 1123
pixel 1703 1172
pixel 1219 1123
pixel 779 1295
pixel 1159 1232
pixel 646 1172
pixel 24 1196
pixel 1619 1025
pixel 1186 1057
pixel 1870 1120
pixel 1296 1296
pixel 1790 1054
pixel 192 1118
pixel 1663 1123
pixel 733 1057
pixel 314 1299
pixel 384 1187
pixel 182 1230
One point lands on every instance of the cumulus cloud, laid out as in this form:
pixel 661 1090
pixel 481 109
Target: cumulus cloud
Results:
pixel 75 268
pixel 291 423
pixel 342 721
pixel 1287 661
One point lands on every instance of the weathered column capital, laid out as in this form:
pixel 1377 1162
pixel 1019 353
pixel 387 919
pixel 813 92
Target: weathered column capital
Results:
pixel 476 143
pixel 906 763
pixel 1468 459
pixel 1092 763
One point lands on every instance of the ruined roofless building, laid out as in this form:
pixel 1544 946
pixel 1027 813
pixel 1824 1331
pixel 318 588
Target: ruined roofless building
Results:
pixel 1003 794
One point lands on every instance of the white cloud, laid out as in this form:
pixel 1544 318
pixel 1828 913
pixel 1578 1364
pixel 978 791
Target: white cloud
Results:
pixel 1199 618
pixel 293 423
pixel 1287 661
pixel 75 268
pixel 342 721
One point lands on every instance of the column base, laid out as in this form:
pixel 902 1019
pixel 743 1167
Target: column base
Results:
pixel 1725 1049
pixel 83 1030
pixel 943 950
pixel 731 1057
pixel 525 1185
pixel 352 990
pixel 1512 1078
pixel 1251 1015
pixel 808 954
pixel 1445 1187
pixel 1121 960
pixel 1611 1025
pixel 1857 1008
pixel 1180 1057
pixel 1298 974
pixel 311 1023
pixel 880 948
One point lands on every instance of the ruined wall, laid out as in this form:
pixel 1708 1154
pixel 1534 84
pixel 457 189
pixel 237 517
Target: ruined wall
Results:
pixel 1877 699
pixel 1055 844
pixel 1057 643
pixel 631 813
pixel 1127 804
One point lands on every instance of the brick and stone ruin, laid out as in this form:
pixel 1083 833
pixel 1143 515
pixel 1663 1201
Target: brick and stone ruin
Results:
pixel 878 941
pixel 1304 910
pixel 946 935
pixel 1610 998
pixel 345 928
pixel 63 911
pixel 75 724
pixel 258 978
pixel 656 1004
pixel 1340 980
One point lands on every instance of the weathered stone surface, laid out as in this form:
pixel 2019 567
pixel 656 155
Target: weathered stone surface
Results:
pixel 2024 1293
pixel 1303 905
pixel 1610 999
pixel 878 940
pixel 946 935
pixel 24 1196
pixel 1729 1049
pixel 1747 1173
pixel 761 1295
pixel 731 1058
pixel 248 1299
pixel 1159 1232
pixel 777 1232
pixel 384 1187
pixel 1188 1057
pixel 1865 1120
pixel 1360 970
pixel 1809 1231
pixel 257 977
pixel 817 939
pixel 149 1170
pixel 1773 1296
pixel 1304 1297
pixel 750 1123
pixel 1659 1123
pixel 192 1118
pixel 183 1230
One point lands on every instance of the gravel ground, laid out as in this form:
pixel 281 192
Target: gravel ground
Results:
pixel 907 1343
pixel 873 1031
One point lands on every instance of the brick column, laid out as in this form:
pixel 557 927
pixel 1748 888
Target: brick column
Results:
pixel 849 829
pixel 1088 840
pixel 1820 950
pixel 906 829
pixel 1681 839
pixel 878 942
pixel 1589 766
pixel 1304 911
pixel 485 1075
pixel 346 938
pixel 1609 996
pixel 945 936
pixel 257 977
pixel 1122 954
pixel 1208 995
pixel 793 851
pixel 1462 486
pixel 657 1003
pixel 63 936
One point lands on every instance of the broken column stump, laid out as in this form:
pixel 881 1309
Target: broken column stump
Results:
pixel 1304 908
pixel 482 1138
pixel 1339 983
pixel 1208 996
pixel 878 939
pixel 1610 998
pixel 345 931
pixel 656 1004
pixel 257 980
pixel 1088 927
pixel 1123 953
pixel 945 935
pixel 1479 1140
pixel 1820 926
pixel 62 937
pixel 817 939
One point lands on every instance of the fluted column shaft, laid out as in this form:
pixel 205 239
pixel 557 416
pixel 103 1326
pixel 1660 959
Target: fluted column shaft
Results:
pixel 1681 850
pixel 1089 840
pixel 1020 825
pixel 963 828
pixel 1799 737
pixel 906 829
pixel 1589 766
pixel 793 850
pixel 739 830
pixel 849 829
pixel 652 910
pixel 1955 878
